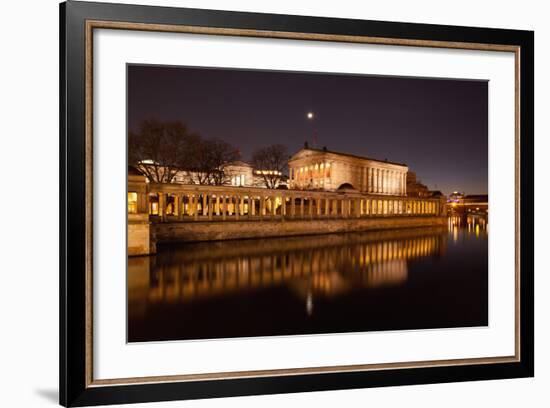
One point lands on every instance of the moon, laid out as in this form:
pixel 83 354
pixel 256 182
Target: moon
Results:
pixel 310 115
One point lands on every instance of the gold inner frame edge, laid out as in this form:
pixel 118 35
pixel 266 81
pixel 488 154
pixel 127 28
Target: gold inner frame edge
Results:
pixel 98 24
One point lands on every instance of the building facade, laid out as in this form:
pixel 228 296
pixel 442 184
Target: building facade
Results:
pixel 236 174
pixel 415 188
pixel 322 169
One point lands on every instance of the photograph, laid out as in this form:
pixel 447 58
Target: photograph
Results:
pixel 283 203
pixel 256 203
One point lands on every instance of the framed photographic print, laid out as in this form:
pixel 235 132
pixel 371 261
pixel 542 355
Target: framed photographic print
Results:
pixel 255 203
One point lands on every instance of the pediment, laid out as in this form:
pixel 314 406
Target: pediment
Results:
pixel 306 153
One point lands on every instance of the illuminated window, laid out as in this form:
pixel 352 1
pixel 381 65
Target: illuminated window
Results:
pixel 132 203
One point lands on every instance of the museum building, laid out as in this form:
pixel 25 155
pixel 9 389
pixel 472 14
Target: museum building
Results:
pixel 322 169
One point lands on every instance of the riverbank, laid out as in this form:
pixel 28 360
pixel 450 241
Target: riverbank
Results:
pixel 168 232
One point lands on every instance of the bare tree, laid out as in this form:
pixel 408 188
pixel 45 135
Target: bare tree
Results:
pixel 159 148
pixel 270 163
pixel 210 159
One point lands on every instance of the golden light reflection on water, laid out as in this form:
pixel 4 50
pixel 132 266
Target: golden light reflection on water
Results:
pixel 310 266
pixel 475 224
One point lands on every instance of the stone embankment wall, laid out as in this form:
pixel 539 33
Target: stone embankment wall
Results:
pixel 224 230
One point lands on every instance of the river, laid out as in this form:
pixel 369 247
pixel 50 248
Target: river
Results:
pixel 352 282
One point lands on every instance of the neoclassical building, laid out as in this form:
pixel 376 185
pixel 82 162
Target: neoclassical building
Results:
pixel 236 174
pixel 322 169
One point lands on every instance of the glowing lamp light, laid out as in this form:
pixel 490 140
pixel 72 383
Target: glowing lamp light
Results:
pixel 310 115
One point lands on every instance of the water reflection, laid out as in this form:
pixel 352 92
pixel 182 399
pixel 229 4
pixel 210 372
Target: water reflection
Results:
pixel 325 264
pixel 235 288
pixel 472 223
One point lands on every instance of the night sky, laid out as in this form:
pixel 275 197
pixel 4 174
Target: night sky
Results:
pixel 437 127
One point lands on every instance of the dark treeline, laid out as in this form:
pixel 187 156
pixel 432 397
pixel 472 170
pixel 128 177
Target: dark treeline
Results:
pixel 159 149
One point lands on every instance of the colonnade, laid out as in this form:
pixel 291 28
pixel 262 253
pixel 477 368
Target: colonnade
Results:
pixel 222 203
pixel 385 181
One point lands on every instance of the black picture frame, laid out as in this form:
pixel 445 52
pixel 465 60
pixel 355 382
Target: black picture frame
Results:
pixel 75 389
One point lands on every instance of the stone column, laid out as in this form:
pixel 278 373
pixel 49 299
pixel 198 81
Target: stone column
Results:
pixel 318 204
pixel 224 207
pixel 196 207
pixel 283 206
pixel 162 203
pixel 210 206
pixel 262 207
pixel 204 205
pixel 272 206
pixel 400 183
pixel 249 202
pixel 399 189
pixel 327 207
pixel 302 207
pixel 292 207
pixel 237 207
pixel 310 207
pixel 217 204
pixel 179 202
pixel 369 179
pixel 372 180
